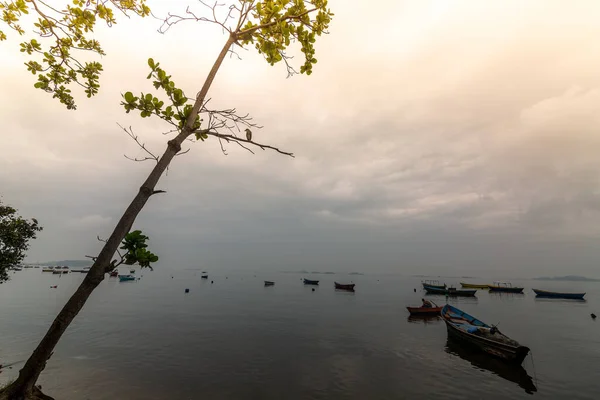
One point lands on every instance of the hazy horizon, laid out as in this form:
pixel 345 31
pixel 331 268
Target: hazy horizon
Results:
pixel 438 136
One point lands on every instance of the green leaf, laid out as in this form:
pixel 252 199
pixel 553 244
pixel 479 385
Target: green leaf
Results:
pixel 129 97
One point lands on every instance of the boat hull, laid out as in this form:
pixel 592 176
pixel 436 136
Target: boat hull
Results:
pixel 310 282
pixel 342 286
pixel 474 286
pixel 510 353
pixel 558 295
pixel 126 278
pixel 433 286
pixel 269 283
pixel 501 289
pixel 424 310
pixel 450 292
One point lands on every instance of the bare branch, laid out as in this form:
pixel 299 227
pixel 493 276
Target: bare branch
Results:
pixel 238 140
pixel 140 144
pixel 182 152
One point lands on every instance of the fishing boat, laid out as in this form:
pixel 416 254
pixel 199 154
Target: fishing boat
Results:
pixel 450 291
pixel 113 273
pixel 474 285
pixel 85 270
pixel 269 283
pixel 204 277
pixel 310 282
pixel 47 269
pixel 558 295
pixel 482 336
pixel 123 278
pixel 505 287
pixel 433 283
pixel 344 286
pixel 425 311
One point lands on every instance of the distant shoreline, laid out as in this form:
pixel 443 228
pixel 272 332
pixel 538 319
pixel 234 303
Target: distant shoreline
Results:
pixel 567 278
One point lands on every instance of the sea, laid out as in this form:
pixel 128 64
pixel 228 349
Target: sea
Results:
pixel 230 337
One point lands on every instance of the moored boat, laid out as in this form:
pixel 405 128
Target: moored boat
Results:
pixel 423 311
pixel 310 282
pixel 204 277
pixel 474 285
pixel 123 278
pixel 269 283
pixel 85 270
pixel 450 291
pixel 482 336
pixel 113 273
pixel 558 295
pixel 47 269
pixel 505 287
pixel 433 283
pixel 344 286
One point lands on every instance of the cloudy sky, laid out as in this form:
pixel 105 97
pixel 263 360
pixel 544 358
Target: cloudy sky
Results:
pixel 432 137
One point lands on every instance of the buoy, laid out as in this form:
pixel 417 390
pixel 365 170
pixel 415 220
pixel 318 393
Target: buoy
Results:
pixel 415 290
pixel 313 289
pixel 212 282
pixel 593 316
pixel 187 290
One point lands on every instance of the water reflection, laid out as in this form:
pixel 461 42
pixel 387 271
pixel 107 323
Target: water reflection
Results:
pixel 424 319
pixel 512 373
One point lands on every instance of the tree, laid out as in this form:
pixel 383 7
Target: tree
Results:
pixel 15 234
pixel 270 26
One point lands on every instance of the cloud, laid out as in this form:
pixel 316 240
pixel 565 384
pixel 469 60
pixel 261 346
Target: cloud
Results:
pixel 89 222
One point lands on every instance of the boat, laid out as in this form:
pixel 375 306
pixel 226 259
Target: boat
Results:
pixel 85 270
pixel 450 291
pixel 47 269
pixel 310 282
pixel 474 285
pixel 480 335
pixel 57 271
pixel 123 278
pixel 512 373
pixel 425 311
pixel 344 286
pixel 433 283
pixel 505 287
pixel 269 283
pixel 28 266
pixel 113 273
pixel 558 295
pixel 132 271
pixel 204 277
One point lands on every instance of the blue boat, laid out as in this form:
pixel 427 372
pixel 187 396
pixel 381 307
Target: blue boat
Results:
pixel 558 295
pixel 310 282
pixel 480 335
pixel 450 291
pixel 123 278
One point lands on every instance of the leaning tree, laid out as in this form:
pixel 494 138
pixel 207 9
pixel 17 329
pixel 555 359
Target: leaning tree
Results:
pixel 270 26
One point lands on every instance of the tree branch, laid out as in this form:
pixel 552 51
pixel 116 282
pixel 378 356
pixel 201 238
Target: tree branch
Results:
pixel 239 141
pixel 141 145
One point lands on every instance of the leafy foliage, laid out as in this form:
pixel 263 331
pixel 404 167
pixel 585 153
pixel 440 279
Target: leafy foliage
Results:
pixel 62 34
pixel 15 234
pixel 278 23
pixel 136 250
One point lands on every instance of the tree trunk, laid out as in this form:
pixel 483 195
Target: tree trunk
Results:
pixel 24 386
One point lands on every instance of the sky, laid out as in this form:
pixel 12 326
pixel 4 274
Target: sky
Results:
pixel 433 137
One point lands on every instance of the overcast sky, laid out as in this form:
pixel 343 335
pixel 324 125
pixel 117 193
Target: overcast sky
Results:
pixel 432 137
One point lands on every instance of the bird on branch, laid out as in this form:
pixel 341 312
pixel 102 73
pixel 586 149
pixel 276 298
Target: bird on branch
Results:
pixel 248 134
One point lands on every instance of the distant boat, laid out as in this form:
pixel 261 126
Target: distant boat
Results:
pixel 132 271
pixel 482 336
pixel 47 269
pixel 28 266
pixel 113 273
pixel 123 278
pixel 85 270
pixel 342 286
pixel 433 283
pixel 310 282
pixel 505 287
pixel 17 269
pixel 204 277
pixel 450 291
pixel 558 295
pixel 269 283
pixel 474 285
pixel 424 311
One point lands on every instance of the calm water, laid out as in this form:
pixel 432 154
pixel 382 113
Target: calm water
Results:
pixel 236 339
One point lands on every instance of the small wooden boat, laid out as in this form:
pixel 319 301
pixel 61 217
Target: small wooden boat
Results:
pixel 433 283
pixel 344 286
pixel 113 273
pixel 132 271
pixel 450 291
pixel 204 277
pixel 474 285
pixel 47 269
pixel 558 295
pixel 505 287
pixel 482 336
pixel 424 311
pixel 57 272
pixel 269 283
pixel 85 270
pixel 123 278
pixel 310 282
